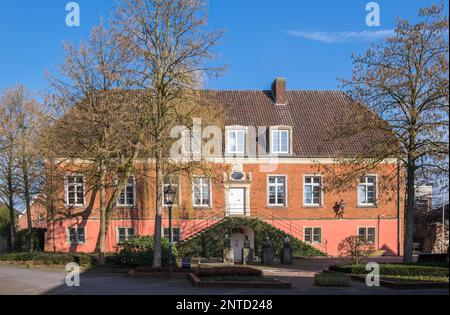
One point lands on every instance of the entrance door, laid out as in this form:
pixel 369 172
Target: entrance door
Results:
pixel 237 241
pixel 236 201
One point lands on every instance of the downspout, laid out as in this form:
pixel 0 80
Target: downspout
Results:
pixel 398 208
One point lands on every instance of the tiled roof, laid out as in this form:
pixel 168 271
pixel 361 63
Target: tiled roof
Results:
pixel 310 113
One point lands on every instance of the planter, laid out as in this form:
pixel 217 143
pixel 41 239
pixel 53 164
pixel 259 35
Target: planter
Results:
pixel 136 273
pixel 196 281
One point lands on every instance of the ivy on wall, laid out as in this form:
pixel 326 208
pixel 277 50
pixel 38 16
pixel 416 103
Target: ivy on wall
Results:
pixel 209 243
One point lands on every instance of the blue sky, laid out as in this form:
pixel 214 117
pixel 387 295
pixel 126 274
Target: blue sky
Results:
pixel 308 42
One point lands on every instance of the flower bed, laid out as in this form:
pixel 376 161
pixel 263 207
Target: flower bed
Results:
pixel 331 280
pixel 235 277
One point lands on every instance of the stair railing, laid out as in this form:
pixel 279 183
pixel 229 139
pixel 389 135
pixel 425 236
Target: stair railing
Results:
pixel 202 220
pixel 291 227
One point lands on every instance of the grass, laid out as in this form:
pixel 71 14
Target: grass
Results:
pixel 239 278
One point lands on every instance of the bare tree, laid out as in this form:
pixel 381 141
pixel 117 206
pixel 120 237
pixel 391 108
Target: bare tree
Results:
pixel 9 117
pixel 405 82
pixel 98 128
pixel 21 168
pixel 170 48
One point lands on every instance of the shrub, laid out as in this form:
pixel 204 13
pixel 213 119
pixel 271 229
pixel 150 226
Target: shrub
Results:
pixel 229 271
pixel 17 257
pixel 138 251
pixel 38 239
pixel 355 248
pixel 42 258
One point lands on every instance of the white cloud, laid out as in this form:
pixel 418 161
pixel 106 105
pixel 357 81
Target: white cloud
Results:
pixel 342 37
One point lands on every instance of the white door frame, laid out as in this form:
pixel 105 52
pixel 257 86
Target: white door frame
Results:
pixel 246 188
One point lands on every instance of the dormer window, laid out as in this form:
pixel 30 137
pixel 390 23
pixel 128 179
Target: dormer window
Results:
pixel 236 141
pixel 280 141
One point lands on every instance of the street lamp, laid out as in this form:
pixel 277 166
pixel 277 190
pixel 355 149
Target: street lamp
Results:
pixel 169 194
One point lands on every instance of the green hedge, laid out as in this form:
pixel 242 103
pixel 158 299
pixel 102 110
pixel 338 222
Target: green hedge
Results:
pixel 395 270
pixel 210 242
pixel 49 258
pixel 138 251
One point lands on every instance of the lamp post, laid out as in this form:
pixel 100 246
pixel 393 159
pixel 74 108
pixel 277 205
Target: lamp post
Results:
pixel 169 194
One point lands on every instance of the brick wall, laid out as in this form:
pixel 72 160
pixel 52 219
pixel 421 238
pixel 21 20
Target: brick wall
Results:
pixel 143 212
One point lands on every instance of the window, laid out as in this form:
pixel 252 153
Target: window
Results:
pixel 312 191
pixel 367 234
pixel 236 141
pixel 75 190
pixel 367 191
pixel 174 183
pixel 201 188
pixel 277 190
pixel 124 234
pixel 126 198
pixel 76 236
pixel 312 235
pixel 280 141
pixel 175 234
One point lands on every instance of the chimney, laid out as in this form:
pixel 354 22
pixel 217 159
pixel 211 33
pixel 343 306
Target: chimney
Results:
pixel 279 91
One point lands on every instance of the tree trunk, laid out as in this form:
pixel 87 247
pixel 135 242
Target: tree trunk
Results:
pixel 12 224
pixel 409 213
pixel 101 243
pixel 26 193
pixel 158 216
pixel 109 207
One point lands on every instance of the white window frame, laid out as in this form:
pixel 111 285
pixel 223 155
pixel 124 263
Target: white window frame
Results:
pixel 313 228
pixel 126 204
pixel 366 184
pixel 66 188
pixel 236 130
pixel 276 204
pixel 173 228
pixel 312 204
pixel 280 130
pixel 209 205
pixel 366 234
pixel 77 237
pixel 127 234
